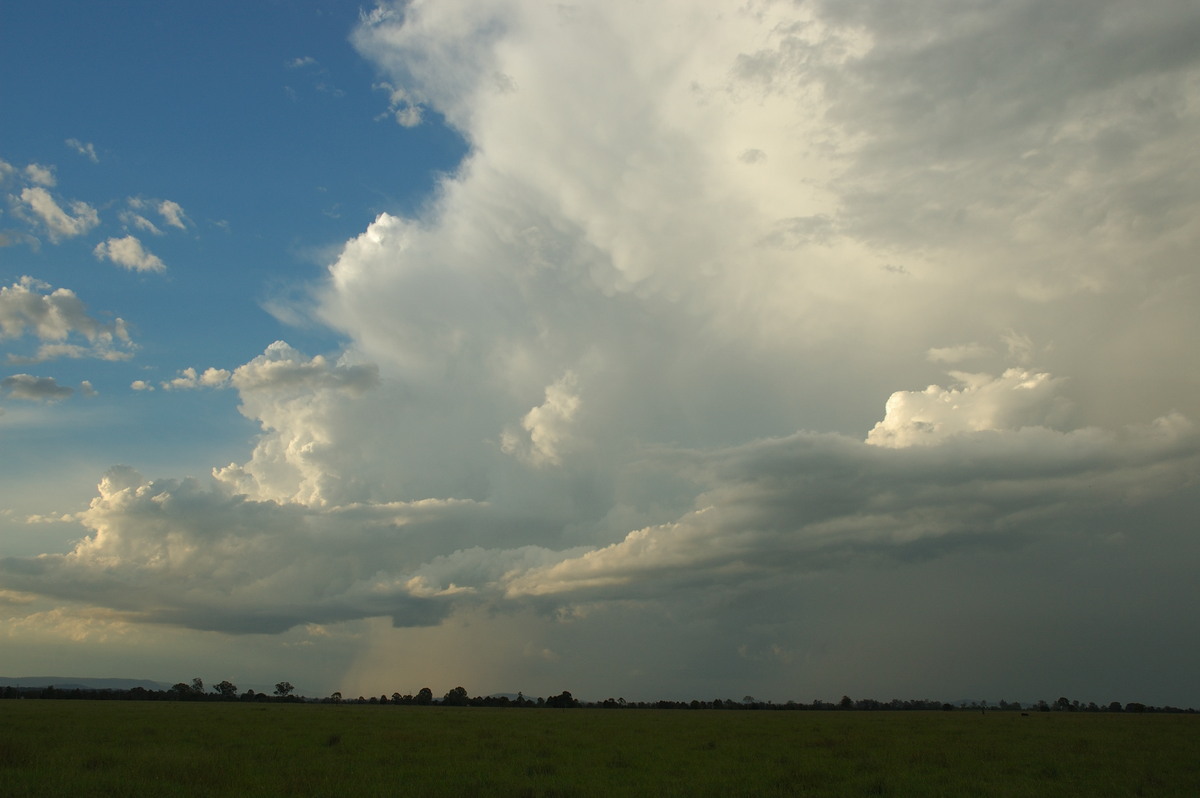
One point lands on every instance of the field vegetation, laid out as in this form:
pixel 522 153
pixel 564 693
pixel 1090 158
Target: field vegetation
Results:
pixel 130 748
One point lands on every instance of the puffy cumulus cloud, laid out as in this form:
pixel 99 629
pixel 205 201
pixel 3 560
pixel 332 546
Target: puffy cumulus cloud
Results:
pixel 200 556
pixel 37 389
pixel 41 175
pixel 59 223
pixel 301 404
pixel 547 425
pixel 190 379
pixel 1016 399
pixel 53 316
pixel 128 252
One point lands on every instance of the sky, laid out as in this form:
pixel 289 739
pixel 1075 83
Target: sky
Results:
pixel 672 350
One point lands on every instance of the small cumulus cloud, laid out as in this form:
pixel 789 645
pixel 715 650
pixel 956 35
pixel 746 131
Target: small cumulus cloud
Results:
pixel 190 379
pixel 129 253
pixel 41 175
pixel 53 316
pixel 172 213
pixel 58 222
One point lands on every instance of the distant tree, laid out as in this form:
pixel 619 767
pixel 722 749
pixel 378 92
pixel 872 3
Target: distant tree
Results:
pixel 398 699
pixel 457 697
pixel 283 689
pixel 1063 704
pixel 182 689
pixel 1115 706
pixel 424 697
pixel 198 686
pixel 562 701
pixel 846 703
pixel 336 697
pixel 226 689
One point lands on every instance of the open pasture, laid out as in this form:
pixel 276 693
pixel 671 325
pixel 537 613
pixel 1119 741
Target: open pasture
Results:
pixel 125 748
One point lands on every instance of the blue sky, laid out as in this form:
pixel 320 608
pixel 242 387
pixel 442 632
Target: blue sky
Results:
pixel 265 128
pixel 786 349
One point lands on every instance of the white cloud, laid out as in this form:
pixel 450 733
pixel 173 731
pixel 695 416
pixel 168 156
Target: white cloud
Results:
pixel 86 149
pixel 980 402
pixel 58 222
pixel 190 379
pixel 42 175
pixel 53 316
pixel 141 385
pixel 128 252
pixel 548 426
pixel 401 107
pixel 172 213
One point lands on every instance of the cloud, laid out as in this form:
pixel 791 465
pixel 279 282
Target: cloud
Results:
pixel 641 383
pixel 980 402
pixel 189 379
pixel 36 389
pixel 53 316
pixel 189 551
pixel 547 425
pixel 172 213
pixel 772 510
pixel 401 107
pixel 128 252
pixel 59 223
pixel 86 149
pixel 42 175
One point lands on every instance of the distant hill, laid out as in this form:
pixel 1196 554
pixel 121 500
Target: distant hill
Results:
pixel 81 683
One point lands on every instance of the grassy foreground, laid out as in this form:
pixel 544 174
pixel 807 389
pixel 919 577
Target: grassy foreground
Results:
pixel 129 748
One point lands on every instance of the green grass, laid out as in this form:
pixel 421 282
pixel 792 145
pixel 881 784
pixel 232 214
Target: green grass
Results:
pixel 209 749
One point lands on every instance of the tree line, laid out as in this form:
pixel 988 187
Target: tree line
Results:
pixel 459 697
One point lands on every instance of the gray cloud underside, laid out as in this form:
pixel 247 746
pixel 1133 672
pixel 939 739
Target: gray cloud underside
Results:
pixel 181 553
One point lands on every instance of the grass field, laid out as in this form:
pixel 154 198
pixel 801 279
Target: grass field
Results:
pixel 129 748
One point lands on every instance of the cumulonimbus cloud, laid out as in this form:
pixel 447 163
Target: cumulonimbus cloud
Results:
pixel 639 346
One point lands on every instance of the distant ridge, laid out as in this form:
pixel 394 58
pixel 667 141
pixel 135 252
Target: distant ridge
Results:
pixel 80 683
